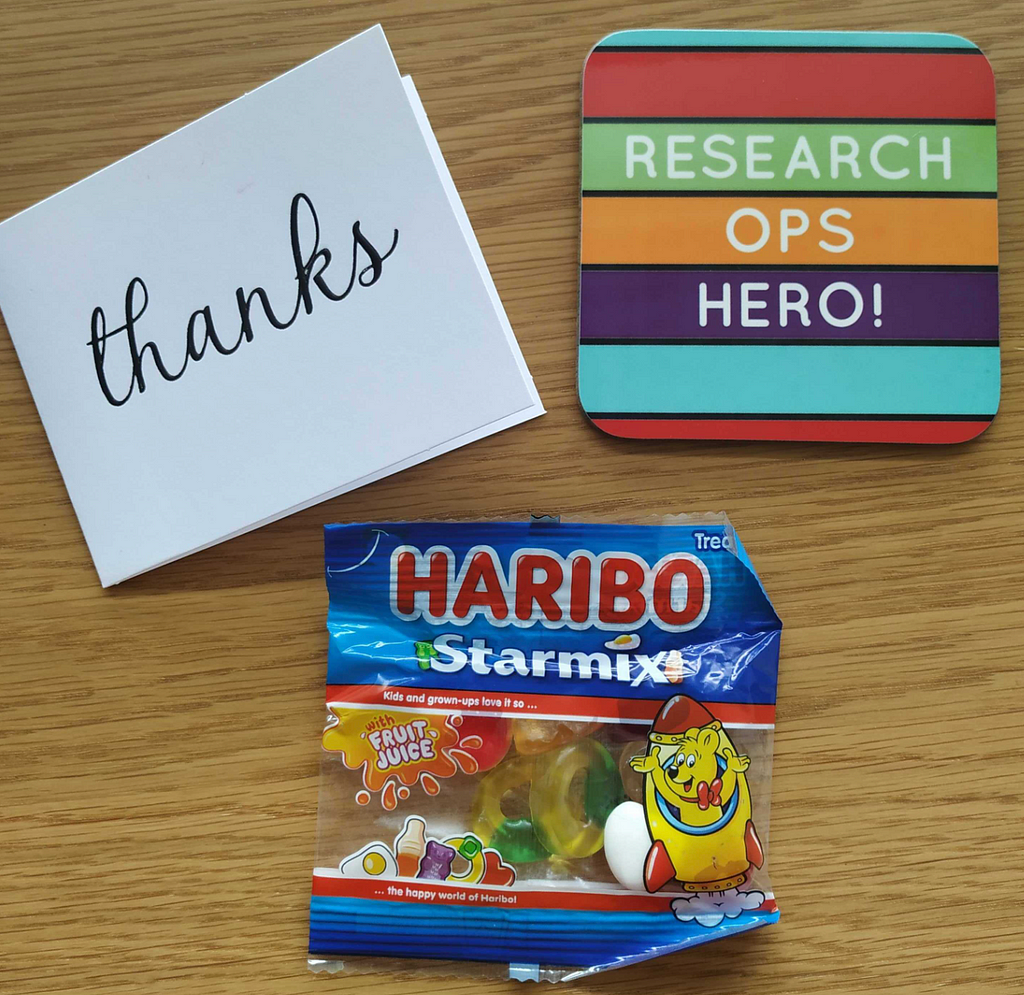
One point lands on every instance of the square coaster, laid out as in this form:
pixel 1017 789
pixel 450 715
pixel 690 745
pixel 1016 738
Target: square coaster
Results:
pixel 789 235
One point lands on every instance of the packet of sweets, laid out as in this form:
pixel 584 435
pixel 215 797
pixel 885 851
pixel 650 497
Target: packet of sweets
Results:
pixel 548 746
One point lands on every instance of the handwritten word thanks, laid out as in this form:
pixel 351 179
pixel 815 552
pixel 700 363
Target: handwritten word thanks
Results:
pixel 311 265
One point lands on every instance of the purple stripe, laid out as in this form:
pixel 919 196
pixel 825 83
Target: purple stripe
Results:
pixel 655 304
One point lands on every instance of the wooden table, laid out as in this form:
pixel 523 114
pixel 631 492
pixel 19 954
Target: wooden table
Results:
pixel 158 741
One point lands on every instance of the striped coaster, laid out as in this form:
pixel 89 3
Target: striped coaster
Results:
pixel 789 235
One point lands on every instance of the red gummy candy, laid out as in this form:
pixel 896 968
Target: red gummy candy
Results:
pixel 486 738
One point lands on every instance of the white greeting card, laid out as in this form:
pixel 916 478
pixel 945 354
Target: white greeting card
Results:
pixel 278 303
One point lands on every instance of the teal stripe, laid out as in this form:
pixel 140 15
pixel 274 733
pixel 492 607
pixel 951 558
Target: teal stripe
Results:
pixel 772 379
pixel 810 39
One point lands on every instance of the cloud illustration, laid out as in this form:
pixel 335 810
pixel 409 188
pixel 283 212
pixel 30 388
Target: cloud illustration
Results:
pixel 710 910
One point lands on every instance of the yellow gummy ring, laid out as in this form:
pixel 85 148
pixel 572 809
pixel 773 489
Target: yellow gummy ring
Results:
pixel 560 820
pixel 487 815
pixel 476 862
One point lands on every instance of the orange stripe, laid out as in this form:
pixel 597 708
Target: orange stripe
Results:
pixel 563 706
pixel 886 231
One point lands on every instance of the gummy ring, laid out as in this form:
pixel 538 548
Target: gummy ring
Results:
pixel 632 781
pixel 514 839
pixel 469 848
pixel 534 736
pixel 565 823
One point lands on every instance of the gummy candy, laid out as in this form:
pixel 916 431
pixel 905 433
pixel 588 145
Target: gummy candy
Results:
pixel 486 738
pixel 513 838
pixel 567 825
pixel 560 821
pixel 632 780
pixel 538 735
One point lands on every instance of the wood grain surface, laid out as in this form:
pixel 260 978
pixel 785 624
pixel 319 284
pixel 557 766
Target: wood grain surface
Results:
pixel 158 741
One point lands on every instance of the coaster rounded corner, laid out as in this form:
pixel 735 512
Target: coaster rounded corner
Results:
pixel 603 42
pixel 604 427
pixel 599 424
pixel 974 436
pixel 951 39
pixel 976 430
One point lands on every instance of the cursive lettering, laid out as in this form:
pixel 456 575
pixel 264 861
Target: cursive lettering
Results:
pixel 310 261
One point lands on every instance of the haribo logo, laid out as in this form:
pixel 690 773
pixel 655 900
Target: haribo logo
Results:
pixel 613 591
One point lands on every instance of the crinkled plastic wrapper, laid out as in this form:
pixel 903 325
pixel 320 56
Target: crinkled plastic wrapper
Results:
pixel 547 748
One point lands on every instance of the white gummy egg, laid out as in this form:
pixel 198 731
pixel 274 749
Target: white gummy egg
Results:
pixel 626 842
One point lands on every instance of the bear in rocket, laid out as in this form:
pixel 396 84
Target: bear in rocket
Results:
pixel 696 802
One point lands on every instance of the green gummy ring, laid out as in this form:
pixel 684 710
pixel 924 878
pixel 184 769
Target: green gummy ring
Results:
pixel 603 790
pixel 516 841
pixel 552 826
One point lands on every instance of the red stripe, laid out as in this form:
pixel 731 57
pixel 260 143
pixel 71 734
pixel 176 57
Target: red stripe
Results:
pixel 793 429
pixel 513 898
pixel 455 894
pixel 788 84
pixel 568 706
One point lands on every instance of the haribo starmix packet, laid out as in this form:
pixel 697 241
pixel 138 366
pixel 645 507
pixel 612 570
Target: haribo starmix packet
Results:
pixel 547 749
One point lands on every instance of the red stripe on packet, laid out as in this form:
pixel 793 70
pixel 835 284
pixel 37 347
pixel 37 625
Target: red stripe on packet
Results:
pixel 401 890
pixel 533 705
pixel 747 85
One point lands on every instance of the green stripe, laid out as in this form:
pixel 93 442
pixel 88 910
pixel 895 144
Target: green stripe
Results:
pixel 749 379
pixel 972 153
pixel 786 39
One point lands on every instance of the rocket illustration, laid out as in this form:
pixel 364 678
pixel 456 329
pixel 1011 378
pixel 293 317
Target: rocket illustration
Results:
pixel 696 802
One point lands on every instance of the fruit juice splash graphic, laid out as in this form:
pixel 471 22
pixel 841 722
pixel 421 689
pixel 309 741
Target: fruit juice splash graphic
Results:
pixel 397 750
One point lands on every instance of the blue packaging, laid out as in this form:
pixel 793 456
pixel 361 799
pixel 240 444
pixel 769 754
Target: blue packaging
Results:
pixel 547 748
